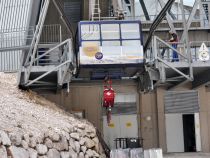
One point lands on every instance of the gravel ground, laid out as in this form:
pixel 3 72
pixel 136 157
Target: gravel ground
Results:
pixel 22 111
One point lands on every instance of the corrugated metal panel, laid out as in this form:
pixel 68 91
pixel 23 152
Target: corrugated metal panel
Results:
pixel 10 61
pixel 72 9
pixel 14 21
pixel 14 14
pixel 181 102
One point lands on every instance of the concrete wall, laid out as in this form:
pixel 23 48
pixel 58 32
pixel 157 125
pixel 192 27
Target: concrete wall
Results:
pixel 88 97
pixel 152 127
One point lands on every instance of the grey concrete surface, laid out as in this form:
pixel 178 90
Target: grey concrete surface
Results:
pixel 187 155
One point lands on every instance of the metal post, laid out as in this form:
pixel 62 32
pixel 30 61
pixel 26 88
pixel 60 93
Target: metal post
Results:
pixel 155 51
pixel 187 40
pixel 191 16
pixel 68 89
pixel 132 8
pixel 202 14
pixel 209 13
pixel 60 34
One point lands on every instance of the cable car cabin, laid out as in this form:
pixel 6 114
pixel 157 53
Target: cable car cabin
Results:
pixel 113 48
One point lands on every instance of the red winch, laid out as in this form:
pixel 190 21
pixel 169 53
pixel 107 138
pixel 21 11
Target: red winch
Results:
pixel 108 98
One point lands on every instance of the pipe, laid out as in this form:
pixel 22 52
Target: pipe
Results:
pixel 68 87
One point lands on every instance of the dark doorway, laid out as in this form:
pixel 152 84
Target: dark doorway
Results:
pixel 189 133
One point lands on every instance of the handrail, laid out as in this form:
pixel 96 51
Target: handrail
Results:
pixel 171 47
pixel 47 52
pixel 45 74
pixel 158 59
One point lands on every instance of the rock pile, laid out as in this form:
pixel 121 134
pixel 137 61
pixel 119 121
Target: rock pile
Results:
pixel 79 142
pixel 29 129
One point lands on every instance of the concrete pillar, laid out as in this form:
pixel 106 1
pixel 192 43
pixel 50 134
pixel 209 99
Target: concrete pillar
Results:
pixel 161 119
pixel 204 119
pixel 148 120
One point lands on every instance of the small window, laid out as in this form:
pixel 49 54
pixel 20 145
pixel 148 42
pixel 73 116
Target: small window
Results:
pixel 111 43
pixel 131 43
pixel 130 31
pixel 90 43
pixel 110 31
pixel 90 32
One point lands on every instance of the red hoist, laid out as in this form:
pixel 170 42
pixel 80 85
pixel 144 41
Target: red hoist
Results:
pixel 108 99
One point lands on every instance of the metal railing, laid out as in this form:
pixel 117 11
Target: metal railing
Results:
pixel 65 58
pixel 20 37
pixel 16 37
pixel 51 55
pixel 166 53
pixel 51 34
pixel 164 60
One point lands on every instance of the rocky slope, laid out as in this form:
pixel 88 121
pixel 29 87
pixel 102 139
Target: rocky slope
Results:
pixel 32 127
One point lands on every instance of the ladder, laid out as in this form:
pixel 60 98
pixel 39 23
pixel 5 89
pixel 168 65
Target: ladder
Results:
pixel 96 11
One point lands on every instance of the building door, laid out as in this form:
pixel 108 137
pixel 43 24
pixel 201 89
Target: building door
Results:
pixel 183 132
pixel 124 120
pixel 174 133
pixel 121 126
pixel 182 121
pixel 189 132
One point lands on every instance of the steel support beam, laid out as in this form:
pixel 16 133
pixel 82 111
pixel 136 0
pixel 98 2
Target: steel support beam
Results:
pixel 36 38
pixel 157 21
pixel 187 40
pixel 168 18
pixel 189 21
pixel 146 14
pixel 178 71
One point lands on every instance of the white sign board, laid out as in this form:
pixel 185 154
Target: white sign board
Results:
pixel 203 53
pixel 96 55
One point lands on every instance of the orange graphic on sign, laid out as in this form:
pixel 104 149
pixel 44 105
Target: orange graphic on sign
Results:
pixel 90 49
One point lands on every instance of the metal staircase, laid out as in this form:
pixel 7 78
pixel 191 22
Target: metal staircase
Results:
pixel 53 66
pixel 46 51
pixel 47 64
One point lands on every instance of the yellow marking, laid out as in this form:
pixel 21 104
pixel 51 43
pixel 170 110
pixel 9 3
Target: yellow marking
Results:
pixel 134 57
pixel 111 125
pixel 128 124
